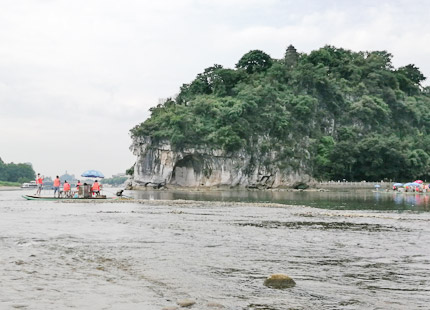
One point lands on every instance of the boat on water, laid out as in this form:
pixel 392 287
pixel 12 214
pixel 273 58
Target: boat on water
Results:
pixel 32 184
pixel 34 197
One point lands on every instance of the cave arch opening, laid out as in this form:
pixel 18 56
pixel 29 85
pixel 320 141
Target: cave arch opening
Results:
pixel 187 171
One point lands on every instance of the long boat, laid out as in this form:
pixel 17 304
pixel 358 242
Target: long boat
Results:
pixel 34 197
pixel 32 184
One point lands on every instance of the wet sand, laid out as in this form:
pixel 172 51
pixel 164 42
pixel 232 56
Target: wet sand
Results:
pixel 144 254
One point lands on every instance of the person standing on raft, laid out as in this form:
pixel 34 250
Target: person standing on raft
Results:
pixel 39 183
pixel 57 184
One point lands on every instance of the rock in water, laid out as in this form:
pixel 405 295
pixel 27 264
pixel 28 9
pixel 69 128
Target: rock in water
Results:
pixel 279 281
pixel 186 302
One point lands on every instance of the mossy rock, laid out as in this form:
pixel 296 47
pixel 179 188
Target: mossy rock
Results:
pixel 279 281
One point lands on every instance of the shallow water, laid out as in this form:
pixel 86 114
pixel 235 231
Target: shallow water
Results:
pixel 336 200
pixel 148 255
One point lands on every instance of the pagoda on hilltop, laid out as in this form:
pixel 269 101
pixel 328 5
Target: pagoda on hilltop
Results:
pixel 291 56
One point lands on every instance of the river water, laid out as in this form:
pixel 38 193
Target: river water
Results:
pixel 345 250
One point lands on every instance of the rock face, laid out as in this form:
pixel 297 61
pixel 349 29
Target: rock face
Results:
pixel 158 165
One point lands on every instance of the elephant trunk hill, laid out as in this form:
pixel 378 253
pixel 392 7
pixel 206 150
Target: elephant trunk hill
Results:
pixel 327 115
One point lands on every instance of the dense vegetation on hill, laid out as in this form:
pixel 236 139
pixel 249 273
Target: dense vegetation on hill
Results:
pixel 115 181
pixel 350 114
pixel 16 172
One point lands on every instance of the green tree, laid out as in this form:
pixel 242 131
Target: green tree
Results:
pixel 410 78
pixel 255 61
pixel 114 181
pixel 418 162
pixel 323 161
pixel 343 159
pixel 16 172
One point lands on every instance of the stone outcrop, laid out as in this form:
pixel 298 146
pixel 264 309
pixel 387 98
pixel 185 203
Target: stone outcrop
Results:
pixel 159 165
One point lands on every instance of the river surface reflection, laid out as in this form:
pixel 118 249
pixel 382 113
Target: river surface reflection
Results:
pixel 334 200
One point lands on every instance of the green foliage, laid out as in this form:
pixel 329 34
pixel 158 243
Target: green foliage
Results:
pixel 5 183
pixel 322 160
pixel 409 79
pixel 255 61
pixel 130 171
pixel 16 172
pixel 342 114
pixel 214 80
pixel 114 181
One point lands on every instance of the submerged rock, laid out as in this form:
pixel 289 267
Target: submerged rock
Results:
pixel 279 281
pixel 185 302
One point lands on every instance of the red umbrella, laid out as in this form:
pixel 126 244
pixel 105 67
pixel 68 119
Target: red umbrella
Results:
pixel 418 181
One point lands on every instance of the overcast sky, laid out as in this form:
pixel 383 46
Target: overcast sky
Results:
pixel 77 75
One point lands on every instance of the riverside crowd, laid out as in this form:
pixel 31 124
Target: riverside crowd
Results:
pixel 416 186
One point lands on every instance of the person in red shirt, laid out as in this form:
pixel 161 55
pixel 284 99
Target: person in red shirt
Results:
pixel 39 183
pixel 66 189
pixel 96 188
pixel 57 184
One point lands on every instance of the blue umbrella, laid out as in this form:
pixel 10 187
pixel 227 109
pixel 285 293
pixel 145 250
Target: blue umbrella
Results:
pixel 398 184
pixel 412 184
pixel 377 185
pixel 92 174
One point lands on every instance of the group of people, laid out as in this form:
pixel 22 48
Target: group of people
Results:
pixel 67 189
pixel 412 188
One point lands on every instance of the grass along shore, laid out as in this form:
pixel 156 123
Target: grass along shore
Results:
pixel 10 184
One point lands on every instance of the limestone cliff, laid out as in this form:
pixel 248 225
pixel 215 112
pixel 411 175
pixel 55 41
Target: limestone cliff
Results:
pixel 159 164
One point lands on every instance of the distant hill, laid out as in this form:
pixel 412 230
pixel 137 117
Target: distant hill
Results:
pixel 332 114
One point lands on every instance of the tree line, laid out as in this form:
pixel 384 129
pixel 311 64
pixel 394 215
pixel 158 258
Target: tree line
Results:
pixel 115 181
pixel 334 113
pixel 16 172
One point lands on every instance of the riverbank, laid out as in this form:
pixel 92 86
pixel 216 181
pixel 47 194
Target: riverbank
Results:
pixel 220 189
pixel 314 186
